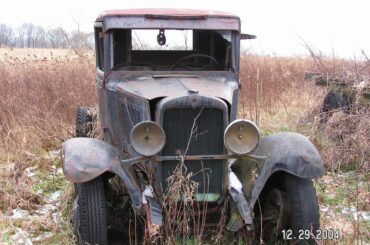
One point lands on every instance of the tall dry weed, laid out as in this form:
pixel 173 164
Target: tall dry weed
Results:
pixel 276 96
pixel 344 141
pixel 274 93
pixel 39 99
pixel 269 77
pixel 343 134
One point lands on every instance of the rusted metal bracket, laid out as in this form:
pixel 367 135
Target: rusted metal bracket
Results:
pixel 155 211
pixel 153 215
pixel 238 198
pixel 243 206
pixel 126 163
pixel 235 222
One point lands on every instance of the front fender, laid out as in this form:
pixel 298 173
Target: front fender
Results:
pixel 288 152
pixel 85 159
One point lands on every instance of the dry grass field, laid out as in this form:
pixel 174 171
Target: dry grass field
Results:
pixel 41 89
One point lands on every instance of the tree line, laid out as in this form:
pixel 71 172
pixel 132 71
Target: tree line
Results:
pixel 29 35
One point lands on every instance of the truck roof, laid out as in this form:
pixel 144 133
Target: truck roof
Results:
pixel 164 12
pixel 168 19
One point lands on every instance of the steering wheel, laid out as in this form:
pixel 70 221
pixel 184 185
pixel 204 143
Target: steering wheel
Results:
pixel 179 63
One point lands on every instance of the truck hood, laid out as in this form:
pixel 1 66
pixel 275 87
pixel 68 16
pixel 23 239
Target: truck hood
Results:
pixel 160 84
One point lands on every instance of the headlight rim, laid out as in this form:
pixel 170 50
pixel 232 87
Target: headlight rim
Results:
pixel 134 144
pixel 253 147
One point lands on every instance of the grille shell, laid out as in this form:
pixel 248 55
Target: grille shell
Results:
pixel 207 140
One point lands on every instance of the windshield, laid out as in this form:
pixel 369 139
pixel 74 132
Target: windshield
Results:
pixel 166 50
pixel 174 40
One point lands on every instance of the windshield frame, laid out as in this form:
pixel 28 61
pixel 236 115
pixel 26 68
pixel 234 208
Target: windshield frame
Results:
pixel 109 50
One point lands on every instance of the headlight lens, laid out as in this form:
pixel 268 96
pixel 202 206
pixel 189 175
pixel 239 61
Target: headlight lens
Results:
pixel 147 138
pixel 241 136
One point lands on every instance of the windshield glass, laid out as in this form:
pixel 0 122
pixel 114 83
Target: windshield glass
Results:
pixel 174 40
pixel 164 50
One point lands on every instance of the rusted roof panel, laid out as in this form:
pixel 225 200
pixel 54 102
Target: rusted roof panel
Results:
pixel 165 12
pixel 139 22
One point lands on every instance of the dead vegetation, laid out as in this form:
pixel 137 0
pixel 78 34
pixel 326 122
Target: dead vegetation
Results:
pixel 178 214
pixel 275 95
pixel 344 141
pixel 39 98
pixel 40 94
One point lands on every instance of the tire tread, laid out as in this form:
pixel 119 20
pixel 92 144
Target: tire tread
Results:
pixel 303 206
pixel 92 212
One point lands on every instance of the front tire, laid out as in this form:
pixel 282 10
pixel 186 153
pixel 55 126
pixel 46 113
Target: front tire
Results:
pixel 289 206
pixel 92 212
pixel 304 207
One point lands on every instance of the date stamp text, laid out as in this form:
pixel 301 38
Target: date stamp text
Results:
pixel 325 234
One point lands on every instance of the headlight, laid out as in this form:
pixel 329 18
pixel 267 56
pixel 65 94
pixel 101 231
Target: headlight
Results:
pixel 241 136
pixel 147 138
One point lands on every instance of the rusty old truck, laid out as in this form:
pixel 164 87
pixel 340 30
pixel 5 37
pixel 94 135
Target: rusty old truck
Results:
pixel 168 87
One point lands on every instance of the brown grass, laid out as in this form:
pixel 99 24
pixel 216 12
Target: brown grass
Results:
pixel 344 141
pixel 274 93
pixel 40 91
pixel 39 99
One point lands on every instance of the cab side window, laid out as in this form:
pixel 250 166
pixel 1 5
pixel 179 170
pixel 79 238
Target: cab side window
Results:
pixel 99 47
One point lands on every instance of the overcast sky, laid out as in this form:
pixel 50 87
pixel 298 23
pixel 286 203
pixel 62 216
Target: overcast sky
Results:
pixel 341 26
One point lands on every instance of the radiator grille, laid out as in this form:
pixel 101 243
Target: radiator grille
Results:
pixel 208 139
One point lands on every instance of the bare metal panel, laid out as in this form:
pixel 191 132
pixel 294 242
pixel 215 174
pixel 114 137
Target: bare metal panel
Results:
pixel 148 87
